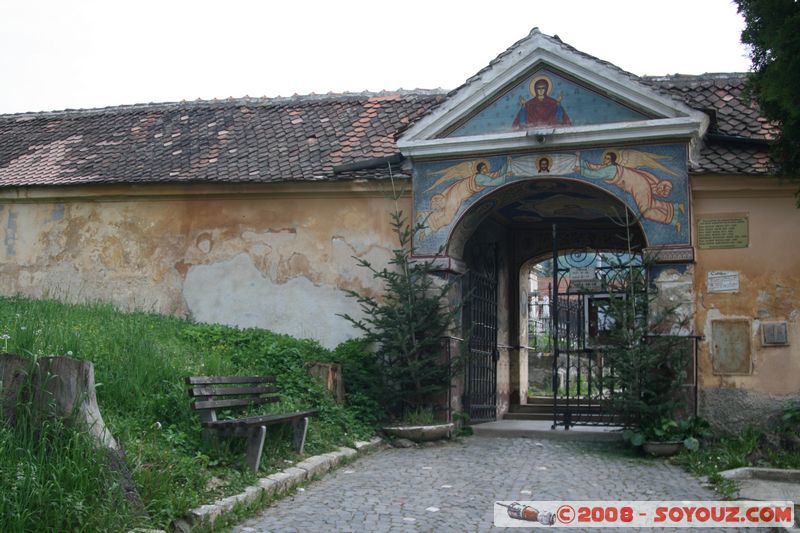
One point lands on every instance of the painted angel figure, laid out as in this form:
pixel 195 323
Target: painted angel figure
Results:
pixel 470 177
pixel 624 169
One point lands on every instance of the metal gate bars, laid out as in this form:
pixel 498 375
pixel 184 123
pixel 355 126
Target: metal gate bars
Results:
pixel 480 312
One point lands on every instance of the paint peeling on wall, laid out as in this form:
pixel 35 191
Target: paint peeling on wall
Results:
pixel 244 261
pixel 11 233
pixel 768 272
pixel 674 299
pixel 58 211
pixel 297 307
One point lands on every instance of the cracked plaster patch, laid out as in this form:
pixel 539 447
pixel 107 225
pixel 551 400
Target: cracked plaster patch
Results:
pixel 235 292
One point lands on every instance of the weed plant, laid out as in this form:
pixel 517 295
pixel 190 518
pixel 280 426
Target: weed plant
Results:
pixel 52 479
pixel 776 445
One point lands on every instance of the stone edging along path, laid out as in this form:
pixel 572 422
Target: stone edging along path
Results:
pixel 273 485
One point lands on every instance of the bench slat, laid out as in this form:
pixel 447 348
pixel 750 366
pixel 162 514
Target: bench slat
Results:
pixel 230 391
pixel 228 380
pixel 222 404
pixel 264 420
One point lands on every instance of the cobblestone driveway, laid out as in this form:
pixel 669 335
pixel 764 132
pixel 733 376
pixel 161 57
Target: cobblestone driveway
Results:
pixel 453 487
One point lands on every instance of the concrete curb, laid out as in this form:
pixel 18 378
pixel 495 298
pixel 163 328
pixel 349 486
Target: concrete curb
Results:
pixel 273 485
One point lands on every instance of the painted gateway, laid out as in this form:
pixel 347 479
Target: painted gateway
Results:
pixel 249 212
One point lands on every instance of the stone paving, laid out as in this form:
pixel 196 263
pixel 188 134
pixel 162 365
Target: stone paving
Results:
pixel 453 487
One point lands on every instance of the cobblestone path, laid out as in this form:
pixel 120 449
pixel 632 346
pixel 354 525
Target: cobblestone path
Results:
pixel 453 487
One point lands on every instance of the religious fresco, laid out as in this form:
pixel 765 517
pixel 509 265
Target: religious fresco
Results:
pixel 545 99
pixel 561 202
pixel 651 180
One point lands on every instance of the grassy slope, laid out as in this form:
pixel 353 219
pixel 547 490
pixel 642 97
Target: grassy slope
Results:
pixel 140 361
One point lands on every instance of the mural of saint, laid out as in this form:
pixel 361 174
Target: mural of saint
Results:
pixel 542 109
pixel 623 169
pixel 470 177
pixel 558 164
pixel 543 165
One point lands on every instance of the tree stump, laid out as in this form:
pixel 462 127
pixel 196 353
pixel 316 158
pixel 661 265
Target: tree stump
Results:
pixel 14 371
pixel 330 374
pixel 62 387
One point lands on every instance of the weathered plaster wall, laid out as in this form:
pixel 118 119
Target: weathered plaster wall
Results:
pixel 673 307
pixel 769 290
pixel 273 257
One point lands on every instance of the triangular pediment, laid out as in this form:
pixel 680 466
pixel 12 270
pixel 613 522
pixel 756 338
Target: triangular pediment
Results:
pixel 544 92
pixel 545 97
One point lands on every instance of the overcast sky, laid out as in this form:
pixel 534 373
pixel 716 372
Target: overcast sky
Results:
pixel 59 54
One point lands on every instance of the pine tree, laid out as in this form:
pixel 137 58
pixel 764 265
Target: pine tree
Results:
pixel 406 326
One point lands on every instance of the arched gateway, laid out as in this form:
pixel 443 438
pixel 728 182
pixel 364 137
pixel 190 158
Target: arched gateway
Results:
pixel 546 154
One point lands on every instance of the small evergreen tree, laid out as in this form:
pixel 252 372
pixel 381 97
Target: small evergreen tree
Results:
pixel 647 357
pixel 406 326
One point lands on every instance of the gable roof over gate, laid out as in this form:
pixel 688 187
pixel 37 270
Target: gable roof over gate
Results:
pixel 515 103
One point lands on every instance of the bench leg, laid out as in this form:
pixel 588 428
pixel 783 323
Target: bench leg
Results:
pixel 255 445
pixel 210 438
pixel 299 428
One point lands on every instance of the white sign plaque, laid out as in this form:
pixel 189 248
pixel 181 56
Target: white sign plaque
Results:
pixel 723 281
pixel 582 273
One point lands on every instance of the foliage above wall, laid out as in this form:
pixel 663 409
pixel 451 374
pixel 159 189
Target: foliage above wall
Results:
pixel 771 33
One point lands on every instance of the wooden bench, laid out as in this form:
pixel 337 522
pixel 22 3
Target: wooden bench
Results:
pixel 224 392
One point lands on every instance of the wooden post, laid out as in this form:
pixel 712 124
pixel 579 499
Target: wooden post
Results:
pixel 330 374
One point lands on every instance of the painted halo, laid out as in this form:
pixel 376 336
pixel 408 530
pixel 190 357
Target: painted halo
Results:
pixel 532 85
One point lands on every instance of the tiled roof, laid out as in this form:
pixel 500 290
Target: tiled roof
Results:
pixel 301 138
pixel 720 95
pixel 245 140
pixel 737 140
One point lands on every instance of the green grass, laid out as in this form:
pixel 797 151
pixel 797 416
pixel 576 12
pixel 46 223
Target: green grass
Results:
pixel 52 479
pixel 728 452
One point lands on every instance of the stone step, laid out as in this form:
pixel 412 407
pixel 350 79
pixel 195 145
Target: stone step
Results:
pixel 528 416
pixel 548 408
pixel 542 429
pixel 576 417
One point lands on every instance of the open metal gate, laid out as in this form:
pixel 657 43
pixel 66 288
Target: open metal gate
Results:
pixel 480 313
pixel 579 388
pixel 583 283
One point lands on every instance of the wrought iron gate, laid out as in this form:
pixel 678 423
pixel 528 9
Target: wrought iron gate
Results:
pixel 580 389
pixel 583 283
pixel 480 312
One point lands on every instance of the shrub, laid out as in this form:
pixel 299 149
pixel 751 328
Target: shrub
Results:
pixel 646 369
pixel 406 326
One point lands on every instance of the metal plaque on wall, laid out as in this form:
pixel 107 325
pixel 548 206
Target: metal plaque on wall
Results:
pixel 722 231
